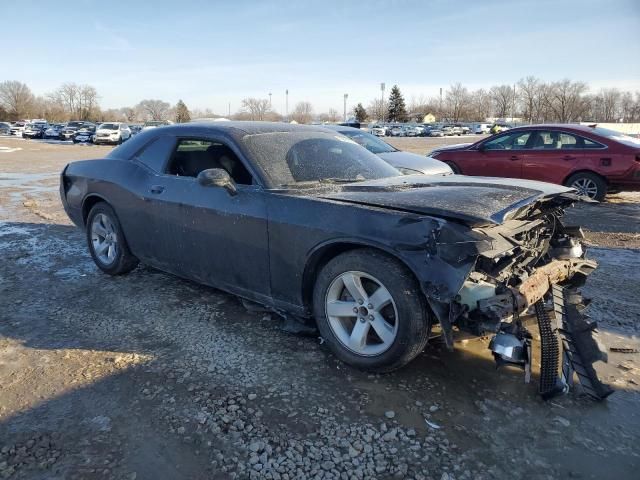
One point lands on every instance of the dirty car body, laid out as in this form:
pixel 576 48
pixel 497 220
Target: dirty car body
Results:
pixel 481 251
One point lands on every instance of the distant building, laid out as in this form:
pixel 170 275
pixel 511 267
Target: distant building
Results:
pixel 429 118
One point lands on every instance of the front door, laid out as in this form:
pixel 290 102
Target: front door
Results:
pixel 209 235
pixel 500 157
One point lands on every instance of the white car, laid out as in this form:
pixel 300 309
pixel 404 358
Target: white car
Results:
pixel 481 128
pixel 378 131
pixel 17 128
pixel 112 132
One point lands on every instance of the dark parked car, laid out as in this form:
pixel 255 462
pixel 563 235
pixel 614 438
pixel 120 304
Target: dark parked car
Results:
pixel 84 134
pixel 591 159
pixel 34 130
pixel 408 163
pixel 71 128
pixel 5 128
pixel 314 226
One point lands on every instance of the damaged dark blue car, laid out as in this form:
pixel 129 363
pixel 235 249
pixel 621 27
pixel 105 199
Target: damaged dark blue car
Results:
pixel 311 225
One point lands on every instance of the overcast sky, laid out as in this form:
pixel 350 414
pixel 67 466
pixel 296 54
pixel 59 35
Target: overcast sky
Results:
pixel 211 53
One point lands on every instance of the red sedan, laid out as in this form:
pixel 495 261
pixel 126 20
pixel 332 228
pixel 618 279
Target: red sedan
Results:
pixel 591 159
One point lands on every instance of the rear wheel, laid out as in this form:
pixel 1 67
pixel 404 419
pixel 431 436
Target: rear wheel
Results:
pixel 588 185
pixel 106 242
pixel 370 310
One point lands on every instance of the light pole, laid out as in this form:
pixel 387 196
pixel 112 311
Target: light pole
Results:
pixel 229 108
pixel 345 106
pixel 382 101
pixel 269 99
pixel 286 104
pixel 440 112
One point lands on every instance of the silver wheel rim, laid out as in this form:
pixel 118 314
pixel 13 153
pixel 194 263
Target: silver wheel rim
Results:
pixel 361 313
pixel 586 187
pixel 104 239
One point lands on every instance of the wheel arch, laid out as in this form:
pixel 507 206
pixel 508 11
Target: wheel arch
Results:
pixel 325 252
pixel 88 203
pixel 584 170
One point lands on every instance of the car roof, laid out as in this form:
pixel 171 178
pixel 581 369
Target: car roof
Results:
pixel 559 126
pixel 248 128
pixel 341 128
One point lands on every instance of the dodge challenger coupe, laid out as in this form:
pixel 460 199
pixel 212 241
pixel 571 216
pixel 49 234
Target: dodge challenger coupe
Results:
pixel 313 226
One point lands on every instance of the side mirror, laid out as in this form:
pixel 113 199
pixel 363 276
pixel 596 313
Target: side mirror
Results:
pixel 217 177
pixel 482 147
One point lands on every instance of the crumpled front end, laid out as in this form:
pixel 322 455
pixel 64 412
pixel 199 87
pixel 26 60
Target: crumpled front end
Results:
pixel 529 265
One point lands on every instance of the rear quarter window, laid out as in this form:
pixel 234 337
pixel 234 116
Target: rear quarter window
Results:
pixel 155 154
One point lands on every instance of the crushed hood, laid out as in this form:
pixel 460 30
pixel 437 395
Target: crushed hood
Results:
pixel 473 200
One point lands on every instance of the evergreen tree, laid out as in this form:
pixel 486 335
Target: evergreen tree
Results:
pixel 182 112
pixel 360 113
pixel 397 111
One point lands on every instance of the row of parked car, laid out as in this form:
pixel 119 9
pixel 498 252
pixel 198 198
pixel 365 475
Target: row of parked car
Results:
pixel 78 131
pixel 436 129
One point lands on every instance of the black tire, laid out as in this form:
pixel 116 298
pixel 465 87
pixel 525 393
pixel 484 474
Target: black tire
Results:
pixel 592 179
pixel 454 167
pixel 124 261
pixel 413 318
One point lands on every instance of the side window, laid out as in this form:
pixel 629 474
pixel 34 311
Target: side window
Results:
pixel 590 144
pixel 192 156
pixel 569 141
pixel 511 141
pixel 155 154
pixel 546 140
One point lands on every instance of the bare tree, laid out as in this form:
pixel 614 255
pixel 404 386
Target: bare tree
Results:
pixel 16 98
pixel 80 102
pixel 256 108
pixel 377 109
pixel 154 110
pixel 456 101
pixel 303 112
pixel 333 115
pixel 503 99
pixel 532 97
pixel 611 99
pixel 566 100
pixel 479 107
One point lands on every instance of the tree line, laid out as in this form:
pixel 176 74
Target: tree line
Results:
pixel 531 100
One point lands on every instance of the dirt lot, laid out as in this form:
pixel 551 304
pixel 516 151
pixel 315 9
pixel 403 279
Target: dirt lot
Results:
pixel 148 376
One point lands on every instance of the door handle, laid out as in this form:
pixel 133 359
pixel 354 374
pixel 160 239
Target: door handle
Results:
pixel 157 189
pixel 513 157
pixel 568 157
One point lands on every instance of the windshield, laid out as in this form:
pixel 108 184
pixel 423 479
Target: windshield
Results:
pixel 290 158
pixel 617 136
pixel 153 124
pixel 109 126
pixel 368 141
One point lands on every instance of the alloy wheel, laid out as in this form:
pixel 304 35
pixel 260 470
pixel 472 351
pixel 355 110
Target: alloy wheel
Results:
pixel 586 187
pixel 104 239
pixel 361 313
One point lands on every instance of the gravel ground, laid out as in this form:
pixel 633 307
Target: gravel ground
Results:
pixel 148 376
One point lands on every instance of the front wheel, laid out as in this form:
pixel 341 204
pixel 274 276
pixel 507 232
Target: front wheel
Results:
pixel 107 244
pixel 370 310
pixel 588 185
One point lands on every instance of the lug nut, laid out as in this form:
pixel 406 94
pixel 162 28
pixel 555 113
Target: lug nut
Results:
pixel 361 319
pixel 360 301
pixel 370 317
pixel 369 305
pixel 355 309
